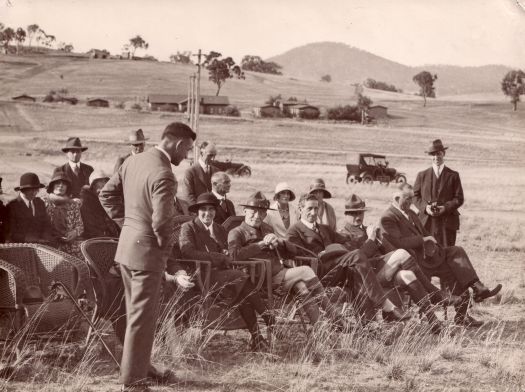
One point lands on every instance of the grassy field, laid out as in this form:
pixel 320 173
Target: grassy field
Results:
pixel 486 140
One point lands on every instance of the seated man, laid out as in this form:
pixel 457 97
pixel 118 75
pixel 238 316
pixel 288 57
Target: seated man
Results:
pixel 402 228
pixel 27 218
pixel 342 266
pixel 221 183
pixel 392 265
pixel 255 239
pixel 202 239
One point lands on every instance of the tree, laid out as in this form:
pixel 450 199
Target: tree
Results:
pixel 68 48
pixel 20 37
pixel 181 58
pixel 273 99
pixel 6 36
pixel 363 102
pixel 32 31
pixel 326 78
pixel 256 64
pixel 513 86
pixel 425 81
pixel 137 42
pixel 221 69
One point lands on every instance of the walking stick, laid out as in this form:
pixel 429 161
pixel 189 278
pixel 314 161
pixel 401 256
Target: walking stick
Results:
pixel 59 288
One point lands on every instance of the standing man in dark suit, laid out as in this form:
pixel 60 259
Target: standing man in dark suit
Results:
pixel 221 183
pixel 402 228
pixel 137 141
pixel 140 197
pixel 438 195
pixel 197 178
pixel 77 172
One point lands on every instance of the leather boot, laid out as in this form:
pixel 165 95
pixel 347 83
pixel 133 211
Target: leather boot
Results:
pixel 258 343
pixel 421 297
pixel 482 292
pixel 462 318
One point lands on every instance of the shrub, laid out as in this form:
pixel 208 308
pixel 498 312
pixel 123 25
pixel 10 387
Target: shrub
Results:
pixel 348 112
pixel 309 115
pixel 136 106
pixel 232 111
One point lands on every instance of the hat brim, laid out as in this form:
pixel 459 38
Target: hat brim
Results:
pixel 195 207
pixel 257 207
pixel 133 143
pixel 66 149
pixel 21 188
pixel 292 195
pixel 52 183
pixel 326 194
pixel 356 209
pixel 432 151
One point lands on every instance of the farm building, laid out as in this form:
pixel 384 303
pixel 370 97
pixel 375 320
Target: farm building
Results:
pixel 24 98
pixel 98 102
pixel 305 111
pixel 211 104
pixel 267 111
pixel 98 54
pixel 377 111
pixel 168 102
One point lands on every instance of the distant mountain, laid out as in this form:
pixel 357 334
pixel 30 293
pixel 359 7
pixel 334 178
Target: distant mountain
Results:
pixel 346 64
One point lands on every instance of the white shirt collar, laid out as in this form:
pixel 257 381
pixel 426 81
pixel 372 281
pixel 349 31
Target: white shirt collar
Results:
pixel 219 197
pixel 26 201
pixel 400 210
pixel 438 169
pixel 164 152
pixel 73 165
pixel 311 226
pixel 203 164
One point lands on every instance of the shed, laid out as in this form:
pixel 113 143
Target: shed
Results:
pixel 98 54
pixel 305 111
pixel 267 111
pixel 98 102
pixel 377 111
pixel 168 102
pixel 211 104
pixel 24 98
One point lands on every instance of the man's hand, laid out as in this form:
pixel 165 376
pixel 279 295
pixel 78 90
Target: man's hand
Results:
pixel 181 279
pixel 429 238
pixel 440 210
pixel 271 240
pixel 372 232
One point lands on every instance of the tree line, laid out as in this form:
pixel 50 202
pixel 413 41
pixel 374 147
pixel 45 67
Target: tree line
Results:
pixel 32 32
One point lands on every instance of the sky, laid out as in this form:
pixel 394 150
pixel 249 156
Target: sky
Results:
pixel 411 32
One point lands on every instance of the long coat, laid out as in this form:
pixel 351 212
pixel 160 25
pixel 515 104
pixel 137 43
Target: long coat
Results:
pixel 77 181
pixel 273 218
pixel 196 182
pixel 96 222
pixel 22 226
pixel 140 196
pixel 449 193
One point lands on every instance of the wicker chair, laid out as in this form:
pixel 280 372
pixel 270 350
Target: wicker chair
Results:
pixel 27 272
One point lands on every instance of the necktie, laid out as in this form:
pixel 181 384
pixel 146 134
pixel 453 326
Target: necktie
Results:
pixel 32 207
pixel 76 169
pixel 223 204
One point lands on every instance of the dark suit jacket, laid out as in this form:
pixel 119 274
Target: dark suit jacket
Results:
pixel 77 182
pixel 357 237
pixel 3 221
pixel 119 162
pixel 96 222
pixel 196 182
pixel 221 215
pixel 140 196
pixel 22 226
pixel 403 234
pixel 181 207
pixel 450 195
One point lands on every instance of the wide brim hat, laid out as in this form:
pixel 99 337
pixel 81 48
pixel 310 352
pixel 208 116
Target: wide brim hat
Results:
pixel 97 175
pixel 281 187
pixel 29 181
pixel 202 200
pixel 59 176
pixel 437 145
pixel 258 200
pixel 137 137
pixel 73 143
pixel 354 203
pixel 317 185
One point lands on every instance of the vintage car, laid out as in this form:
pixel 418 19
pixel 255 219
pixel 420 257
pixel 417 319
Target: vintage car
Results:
pixel 232 168
pixel 367 168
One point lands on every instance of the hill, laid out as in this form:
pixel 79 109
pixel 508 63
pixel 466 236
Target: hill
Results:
pixel 346 64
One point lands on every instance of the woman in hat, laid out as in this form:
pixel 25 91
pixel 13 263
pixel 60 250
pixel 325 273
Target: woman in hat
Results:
pixel 326 214
pixel 96 221
pixel 27 219
pixel 64 212
pixel 283 214
pixel 203 239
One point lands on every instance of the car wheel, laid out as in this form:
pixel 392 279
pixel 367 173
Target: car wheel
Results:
pixel 352 179
pixel 401 179
pixel 368 179
pixel 245 172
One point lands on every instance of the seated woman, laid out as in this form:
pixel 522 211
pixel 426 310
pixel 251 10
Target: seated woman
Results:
pixel 202 239
pixel 27 219
pixel 64 212
pixel 283 214
pixel 96 221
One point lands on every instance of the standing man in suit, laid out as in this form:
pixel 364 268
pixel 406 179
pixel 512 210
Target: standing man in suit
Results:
pixel 221 183
pixel 137 142
pixel 77 172
pixel 140 197
pixel 197 178
pixel 402 228
pixel 438 195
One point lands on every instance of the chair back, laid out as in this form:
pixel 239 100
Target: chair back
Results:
pixel 232 222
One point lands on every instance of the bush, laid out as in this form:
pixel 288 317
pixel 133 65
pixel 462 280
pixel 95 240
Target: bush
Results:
pixel 309 115
pixel 232 111
pixel 136 106
pixel 348 112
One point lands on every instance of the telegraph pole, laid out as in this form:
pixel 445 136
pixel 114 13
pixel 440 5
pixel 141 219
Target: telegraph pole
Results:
pixel 196 89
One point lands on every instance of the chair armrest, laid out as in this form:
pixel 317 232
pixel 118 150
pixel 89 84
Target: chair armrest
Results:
pixel 203 284
pixel 252 265
pixel 12 289
pixel 313 262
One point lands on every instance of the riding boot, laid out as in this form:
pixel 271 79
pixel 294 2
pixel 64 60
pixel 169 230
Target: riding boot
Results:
pixel 462 318
pixel 319 295
pixel 309 305
pixel 421 297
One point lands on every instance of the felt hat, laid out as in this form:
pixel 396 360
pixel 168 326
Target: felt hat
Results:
pixel 258 200
pixel 29 181
pixel 136 137
pixel 281 187
pixel 59 176
pixel 202 200
pixel 437 145
pixel 318 184
pixel 97 175
pixel 354 203
pixel 73 143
